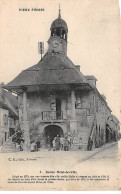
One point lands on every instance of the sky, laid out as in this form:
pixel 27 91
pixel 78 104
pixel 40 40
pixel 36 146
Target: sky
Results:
pixel 120 7
pixel 94 39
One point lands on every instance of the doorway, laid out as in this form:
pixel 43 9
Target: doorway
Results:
pixel 107 134
pixel 52 131
pixel 5 136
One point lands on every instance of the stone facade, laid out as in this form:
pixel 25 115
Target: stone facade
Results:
pixel 89 112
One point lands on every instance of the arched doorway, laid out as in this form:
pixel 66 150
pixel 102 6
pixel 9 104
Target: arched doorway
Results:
pixel 52 131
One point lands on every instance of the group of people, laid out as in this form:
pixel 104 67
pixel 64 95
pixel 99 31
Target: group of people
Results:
pixel 59 143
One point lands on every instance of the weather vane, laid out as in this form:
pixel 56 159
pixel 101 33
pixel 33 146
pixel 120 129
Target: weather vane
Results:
pixel 59 15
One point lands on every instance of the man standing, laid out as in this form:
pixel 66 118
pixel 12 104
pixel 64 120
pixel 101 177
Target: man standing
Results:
pixel 57 143
pixel 62 142
pixel 90 143
pixel 48 143
pixel 66 144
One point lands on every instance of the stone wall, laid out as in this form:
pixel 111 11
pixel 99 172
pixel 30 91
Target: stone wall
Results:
pixel 4 127
pixel 102 113
pixel 84 110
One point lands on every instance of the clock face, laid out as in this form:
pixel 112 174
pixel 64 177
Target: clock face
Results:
pixel 54 43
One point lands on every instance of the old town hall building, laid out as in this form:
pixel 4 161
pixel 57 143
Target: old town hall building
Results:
pixel 55 98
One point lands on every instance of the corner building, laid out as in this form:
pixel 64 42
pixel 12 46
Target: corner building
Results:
pixel 55 98
pixel 8 115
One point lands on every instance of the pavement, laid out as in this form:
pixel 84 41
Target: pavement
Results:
pixel 70 157
pixel 103 161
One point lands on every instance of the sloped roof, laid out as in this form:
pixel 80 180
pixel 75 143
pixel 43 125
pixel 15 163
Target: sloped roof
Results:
pixel 52 69
pixel 91 77
pixel 59 23
pixel 9 101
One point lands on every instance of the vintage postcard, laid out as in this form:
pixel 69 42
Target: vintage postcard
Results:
pixel 60 89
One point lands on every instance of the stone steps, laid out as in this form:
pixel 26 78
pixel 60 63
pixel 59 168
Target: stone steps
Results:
pixel 8 147
pixel 84 133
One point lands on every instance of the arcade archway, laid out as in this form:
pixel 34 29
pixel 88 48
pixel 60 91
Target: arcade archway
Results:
pixel 52 131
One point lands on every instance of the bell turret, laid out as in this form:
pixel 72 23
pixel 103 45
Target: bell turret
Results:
pixel 59 27
pixel 58 37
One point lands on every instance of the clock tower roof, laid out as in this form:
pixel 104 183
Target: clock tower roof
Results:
pixel 59 22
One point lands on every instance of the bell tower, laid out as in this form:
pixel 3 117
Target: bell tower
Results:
pixel 57 42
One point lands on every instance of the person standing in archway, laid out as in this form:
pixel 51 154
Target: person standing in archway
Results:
pixel 57 143
pixel 66 144
pixel 48 143
pixel 62 142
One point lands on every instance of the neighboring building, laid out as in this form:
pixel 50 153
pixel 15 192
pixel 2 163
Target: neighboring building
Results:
pixel 8 114
pixel 55 98
pixel 112 129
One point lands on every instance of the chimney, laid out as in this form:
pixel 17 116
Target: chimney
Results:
pixel 92 79
pixel 103 96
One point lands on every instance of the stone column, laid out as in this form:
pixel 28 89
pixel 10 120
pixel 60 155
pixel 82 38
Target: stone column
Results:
pixel 25 123
pixel 73 121
pixel 63 108
pixel 24 105
pixel 73 104
pixel 94 112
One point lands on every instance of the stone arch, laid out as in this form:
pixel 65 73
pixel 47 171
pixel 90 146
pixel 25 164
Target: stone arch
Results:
pixel 52 131
pixel 63 126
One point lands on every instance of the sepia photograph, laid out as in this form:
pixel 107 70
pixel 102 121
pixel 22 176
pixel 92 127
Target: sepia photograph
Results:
pixel 60 95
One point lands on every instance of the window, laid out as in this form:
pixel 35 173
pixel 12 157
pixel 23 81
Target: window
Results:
pixel 78 104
